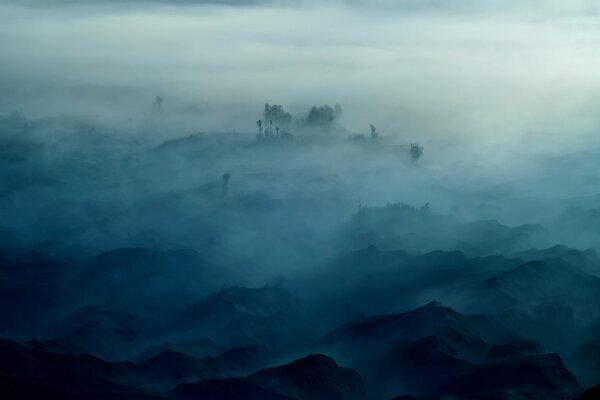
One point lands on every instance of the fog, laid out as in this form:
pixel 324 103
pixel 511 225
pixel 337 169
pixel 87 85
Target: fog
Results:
pixel 450 70
pixel 351 200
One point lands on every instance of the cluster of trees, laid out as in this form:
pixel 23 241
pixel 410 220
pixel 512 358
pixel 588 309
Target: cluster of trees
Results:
pixel 276 122
pixel 267 133
pixel 323 117
pixel 274 114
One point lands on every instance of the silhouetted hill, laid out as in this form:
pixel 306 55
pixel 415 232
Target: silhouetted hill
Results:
pixel 514 348
pixel 106 333
pixel 35 282
pixel 139 279
pixel 591 393
pixel 400 226
pixel 51 346
pixel 491 237
pixel 412 398
pixel 171 368
pixel 198 348
pixel 311 378
pixel 413 352
pixel 420 367
pixel 408 326
pixel 550 281
pixel 314 377
pixel 228 389
pixel 540 377
pixel 241 316
pixel 58 373
pixel 375 281
pixel 585 362
pixel 84 376
pixel 587 260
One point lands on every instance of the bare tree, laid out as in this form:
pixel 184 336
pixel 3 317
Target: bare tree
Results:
pixel 158 104
pixel 416 151
pixel 374 133
pixel 260 135
pixel 225 188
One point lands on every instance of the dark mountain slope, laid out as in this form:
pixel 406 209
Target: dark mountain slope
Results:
pixel 240 317
pixel 313 377
pixel 543 377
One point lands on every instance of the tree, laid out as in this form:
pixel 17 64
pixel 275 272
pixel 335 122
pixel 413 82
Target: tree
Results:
pixel 320 116
pixel 260 135
pixel 276 114
pixel 158 103
pixel 225 187
pixel 374 134
pixel 323 116
pixel 416 151
pixel 267 136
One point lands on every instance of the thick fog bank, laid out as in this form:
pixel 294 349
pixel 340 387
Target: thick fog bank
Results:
pixel 502 71
pixel 292 200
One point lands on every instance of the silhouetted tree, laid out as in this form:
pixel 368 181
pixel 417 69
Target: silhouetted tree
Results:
pixel 322 116
pixel 260 135
pixel 158 103
pixel 225 188
pixel 276 114
pixel 416 151
pixel 280 119
pixel 374 134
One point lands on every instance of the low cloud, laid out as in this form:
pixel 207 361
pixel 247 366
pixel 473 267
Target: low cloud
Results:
pixel 430 68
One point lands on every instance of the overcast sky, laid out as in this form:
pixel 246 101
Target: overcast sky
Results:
pixel 429 65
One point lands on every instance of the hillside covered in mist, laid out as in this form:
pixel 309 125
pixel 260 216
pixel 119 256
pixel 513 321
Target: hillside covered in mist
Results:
pixel 241 200
pixel 323 265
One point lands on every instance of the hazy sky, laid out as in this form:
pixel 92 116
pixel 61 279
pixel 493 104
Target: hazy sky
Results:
pixel 428 66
